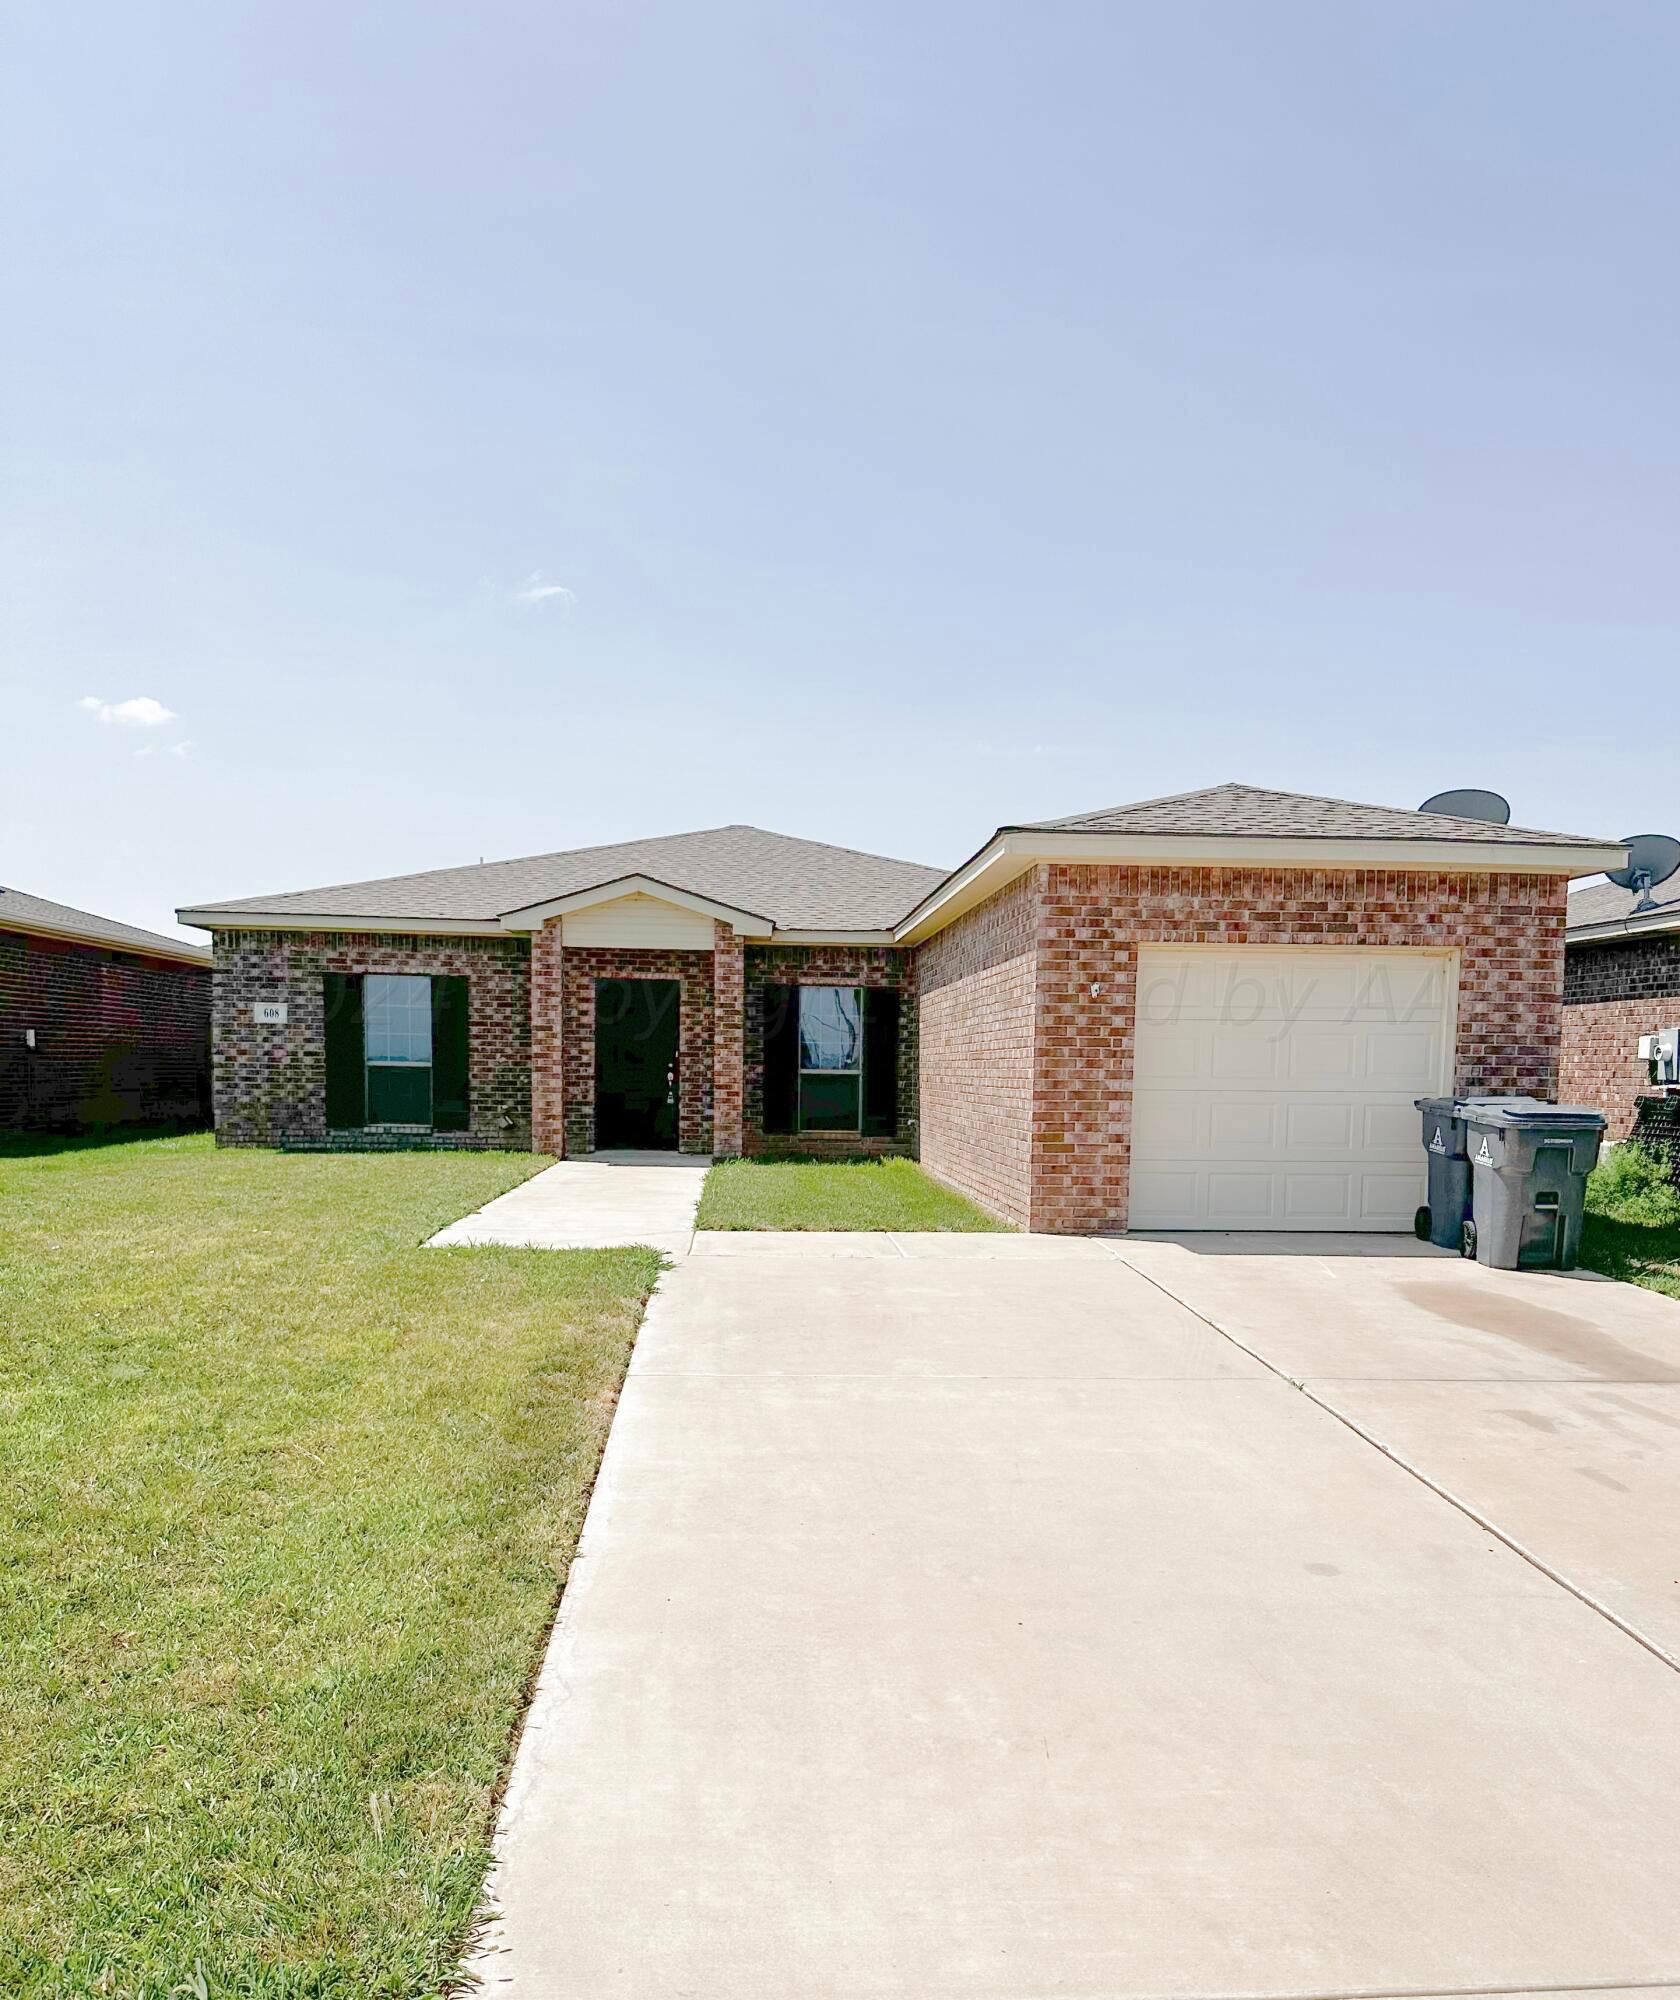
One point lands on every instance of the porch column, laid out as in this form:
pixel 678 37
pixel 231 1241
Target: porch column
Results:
pixel 548 1083
pixel 729 1042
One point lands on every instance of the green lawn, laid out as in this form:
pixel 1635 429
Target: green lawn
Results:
pixel 831 1194
pixel 288 1500
pixel 1633 1221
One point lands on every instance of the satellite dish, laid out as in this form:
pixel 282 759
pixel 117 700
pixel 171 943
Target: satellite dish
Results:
pixel 1652 858
pixel 1470 804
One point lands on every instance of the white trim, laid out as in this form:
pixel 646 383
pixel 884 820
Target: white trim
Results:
pixel 835 937
pixel 1628 926
pixel 533 916
pixel 1008 855
pixel 291 920
pixel 176 952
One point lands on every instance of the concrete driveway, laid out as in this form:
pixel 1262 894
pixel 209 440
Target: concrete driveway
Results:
pixel 995 1617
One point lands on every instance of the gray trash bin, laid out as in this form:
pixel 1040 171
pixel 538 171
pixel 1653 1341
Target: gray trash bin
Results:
pixel 1529 1162
pixel 1442 1221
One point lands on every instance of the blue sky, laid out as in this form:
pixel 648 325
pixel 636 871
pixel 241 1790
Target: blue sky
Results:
pixel 920 416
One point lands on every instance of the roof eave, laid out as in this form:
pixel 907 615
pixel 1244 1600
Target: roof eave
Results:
pixel 164 948
pixel 1012 850
pixel 1632 925
pixel 317 920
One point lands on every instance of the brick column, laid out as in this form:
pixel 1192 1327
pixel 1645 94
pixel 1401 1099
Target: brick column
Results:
pixel 729 1051
pixel 548 1084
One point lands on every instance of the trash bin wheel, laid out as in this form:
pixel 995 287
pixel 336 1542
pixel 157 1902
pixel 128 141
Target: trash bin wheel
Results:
pixel 1420 1224
pixel 1467 1241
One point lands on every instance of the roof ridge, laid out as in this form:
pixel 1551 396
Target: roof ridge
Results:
pixel 1072 822
pixel 829 846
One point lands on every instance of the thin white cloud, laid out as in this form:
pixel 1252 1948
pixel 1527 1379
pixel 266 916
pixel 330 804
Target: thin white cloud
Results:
pixel 534 591
pixel 183 748
pixel 139 712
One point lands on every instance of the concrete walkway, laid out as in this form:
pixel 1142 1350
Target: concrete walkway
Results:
pixel 599 1203
pixel 984 1619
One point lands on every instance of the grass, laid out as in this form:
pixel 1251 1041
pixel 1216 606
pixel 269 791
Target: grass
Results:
pixel 289 1499
pixel 1632 1228
pixel 833 1194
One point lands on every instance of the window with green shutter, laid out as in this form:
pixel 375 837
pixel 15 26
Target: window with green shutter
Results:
pixel 450 1109
pixel 346 1061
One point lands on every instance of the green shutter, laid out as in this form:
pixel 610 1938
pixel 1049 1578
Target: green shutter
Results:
pixel 346 1066
pixel 450 1111
pixel 781 1057
pixel 880 1062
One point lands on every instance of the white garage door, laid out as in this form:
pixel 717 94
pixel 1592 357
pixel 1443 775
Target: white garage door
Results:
pixel 1273 1090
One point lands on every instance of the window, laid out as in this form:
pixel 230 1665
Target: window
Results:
pixel 825 1048
pixel 830 1059
pixel 396 1050
pixel 397 1030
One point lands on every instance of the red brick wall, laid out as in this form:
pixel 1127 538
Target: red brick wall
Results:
pixel 548 1074
pixel 580 967
pixel 729 1036
pixel 120 1038
pixel 977 979
pixel 1614 993
pixel 1601 1064
pixel 828 965
pixel 1508 930
pixel 1028 1004
pixel 271 1082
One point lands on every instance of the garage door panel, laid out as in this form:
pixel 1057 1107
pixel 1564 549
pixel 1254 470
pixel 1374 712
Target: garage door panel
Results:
pixel 1274 1091
pixel 1168 1124
pixel 1390 1200
pixel 1241 1055
pixel 1179 1054
pixel 1240 1200
pixel 1160 1196
pixel 1390 1128
pixel 1316 1201
pixel 1320 1055
pixel 1244 1122
pixel 1403 1058
pixel 1320 1127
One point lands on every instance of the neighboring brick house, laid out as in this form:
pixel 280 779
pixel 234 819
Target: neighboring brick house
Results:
pixel 1212 1010
pixel 100 1023
pixel 1621 981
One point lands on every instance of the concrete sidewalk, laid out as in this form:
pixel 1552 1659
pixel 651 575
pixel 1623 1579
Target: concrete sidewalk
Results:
pixel 599 1203
pixel 989 1625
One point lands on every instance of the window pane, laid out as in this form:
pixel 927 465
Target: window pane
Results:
pixel 397 1008
pixel 828 1101
pixel 829 1027
pixel 399 1094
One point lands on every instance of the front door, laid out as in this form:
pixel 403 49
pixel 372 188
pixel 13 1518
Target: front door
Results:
pixel 636 1022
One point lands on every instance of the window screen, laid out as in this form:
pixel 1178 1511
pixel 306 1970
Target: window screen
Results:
pixel 830 1058
pixel 830 1027
pixel 397 1011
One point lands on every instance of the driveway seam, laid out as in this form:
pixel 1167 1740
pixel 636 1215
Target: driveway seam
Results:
pixel 1463 1506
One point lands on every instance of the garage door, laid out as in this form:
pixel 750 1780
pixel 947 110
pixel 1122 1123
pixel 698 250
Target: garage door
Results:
pixel 1273 1090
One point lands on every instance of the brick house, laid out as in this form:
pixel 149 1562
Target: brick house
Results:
pixel 1621 980
pixel 1211 1010
pixel 100 1023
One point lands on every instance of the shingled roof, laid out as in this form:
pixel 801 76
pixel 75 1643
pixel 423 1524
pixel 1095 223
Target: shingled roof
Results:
pixel 1251 812
pixel 20 911
pixel 1603 903
pixel 795 884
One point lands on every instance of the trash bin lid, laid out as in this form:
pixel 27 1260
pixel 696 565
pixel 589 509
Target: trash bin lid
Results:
pixel 1531 1112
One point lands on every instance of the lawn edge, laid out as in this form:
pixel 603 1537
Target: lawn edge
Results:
pixel 462 1978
